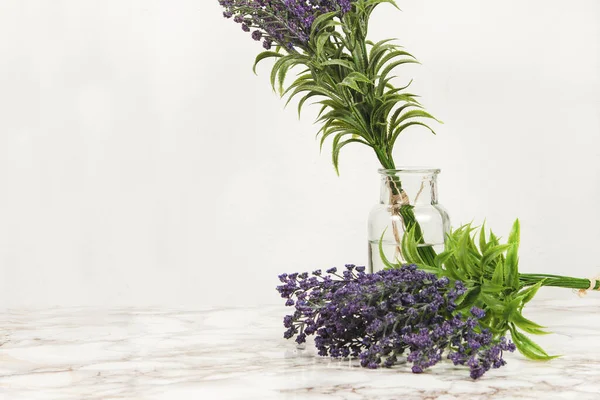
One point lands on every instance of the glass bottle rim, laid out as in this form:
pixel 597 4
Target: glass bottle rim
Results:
pixel 410 170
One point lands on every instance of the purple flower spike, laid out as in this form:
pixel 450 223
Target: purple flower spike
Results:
pixel 287 22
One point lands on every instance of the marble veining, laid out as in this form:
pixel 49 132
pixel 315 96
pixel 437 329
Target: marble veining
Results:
pixel 239 353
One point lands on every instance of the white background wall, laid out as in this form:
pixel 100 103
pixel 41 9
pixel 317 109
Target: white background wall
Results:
pixel 141 161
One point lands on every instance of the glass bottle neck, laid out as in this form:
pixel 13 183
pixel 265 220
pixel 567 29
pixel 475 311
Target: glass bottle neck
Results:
pixel 408 187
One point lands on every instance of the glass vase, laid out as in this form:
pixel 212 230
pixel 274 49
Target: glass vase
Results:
pixel 408 200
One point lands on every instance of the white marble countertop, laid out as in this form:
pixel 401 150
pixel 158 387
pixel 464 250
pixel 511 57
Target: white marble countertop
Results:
pixel 221 354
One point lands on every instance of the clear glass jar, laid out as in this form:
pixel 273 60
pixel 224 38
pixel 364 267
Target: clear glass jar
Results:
pixel 408 200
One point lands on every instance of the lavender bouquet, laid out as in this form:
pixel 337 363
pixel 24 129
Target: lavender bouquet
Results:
pixel 390 316
pixel 461 307
pixel 348 76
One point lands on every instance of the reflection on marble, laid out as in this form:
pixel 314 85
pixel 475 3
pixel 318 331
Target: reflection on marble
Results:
pixel 239 353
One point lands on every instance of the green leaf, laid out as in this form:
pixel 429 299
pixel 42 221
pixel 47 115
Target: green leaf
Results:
pixel 410 248
pixel 374 3
pixel 527 325
pixel 441 258
pixel 337 62
pixel 462 254
pixel 498 276
pixel 321 41
pixel 526 295
pixel 410 103
pixel 493 303
pixel 469 298
pixel 395 64
pixel 389 56
pixel 302 101
pixel 264 55
pixel 511 308
pixel 378 50
pixel 511 266
pixel 338 145
pixel 401 128
pixel 358 77
pixel 319 21
pixel 322 91
pixel 300 80
pixel 382 255
pixel 528 347
pixel 446 259
pixel 492 253
pixel 494 240
pixel 352 80
pixel 279 64
pixel 482 241
pixel 415 114
pixel 491 287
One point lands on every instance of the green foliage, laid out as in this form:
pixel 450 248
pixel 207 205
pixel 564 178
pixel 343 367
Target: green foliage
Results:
pixel 490 271
pixel 350 78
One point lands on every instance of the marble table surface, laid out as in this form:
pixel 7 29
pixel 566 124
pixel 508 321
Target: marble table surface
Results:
pixel 239 353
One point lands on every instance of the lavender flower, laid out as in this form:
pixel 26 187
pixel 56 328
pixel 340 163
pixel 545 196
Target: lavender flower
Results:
pixel 287 22
pixel 477 312
pixel 267 43
pixel 256 35
pixel 383 316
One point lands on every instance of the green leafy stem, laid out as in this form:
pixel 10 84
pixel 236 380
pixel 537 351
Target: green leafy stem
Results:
pixel 490 271
pixel 350 78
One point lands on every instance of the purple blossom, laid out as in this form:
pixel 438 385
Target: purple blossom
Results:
pixel 267 44
pixel 287 22
pixel 380 317
pixel 287 321
pixel 477 312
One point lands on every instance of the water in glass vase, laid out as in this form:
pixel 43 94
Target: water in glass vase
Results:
pixel 407 197
pixel 392 253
